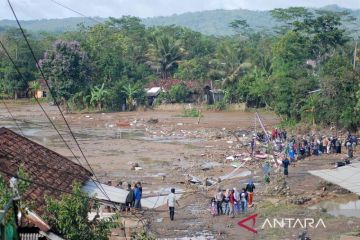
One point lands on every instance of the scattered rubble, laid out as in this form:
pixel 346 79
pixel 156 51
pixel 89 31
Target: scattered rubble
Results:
pixel 300 200
pixel 134 166
pixel 329 187
pixel 277 186
pixel 153 121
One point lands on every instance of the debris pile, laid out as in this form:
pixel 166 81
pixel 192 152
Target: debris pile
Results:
pixel 278 186
pixel 300 200
pixel 153 121
pixel 329 187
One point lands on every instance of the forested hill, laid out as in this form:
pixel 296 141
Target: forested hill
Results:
pixel 214 22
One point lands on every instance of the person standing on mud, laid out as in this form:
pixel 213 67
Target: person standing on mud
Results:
pixel 253 145
pixel 171 201
pixel 219 196
pixel 244 200
pixel 237 204
pixel 338 146
pixel 138 195
pixel 226 202
pixel 250 187
pixel 286 164
pixel 232 204
pixel 129 199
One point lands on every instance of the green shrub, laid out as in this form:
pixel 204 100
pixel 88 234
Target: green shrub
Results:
pixel 193 112
pixel 178 93
pixel 218 106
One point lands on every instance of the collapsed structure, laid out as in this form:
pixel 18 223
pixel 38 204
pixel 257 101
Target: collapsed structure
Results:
pixel 51 174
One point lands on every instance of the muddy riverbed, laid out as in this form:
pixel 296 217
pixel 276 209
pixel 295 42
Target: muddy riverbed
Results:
pixel 173 148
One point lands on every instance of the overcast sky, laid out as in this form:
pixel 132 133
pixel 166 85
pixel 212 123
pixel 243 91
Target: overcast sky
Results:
pixel 39 9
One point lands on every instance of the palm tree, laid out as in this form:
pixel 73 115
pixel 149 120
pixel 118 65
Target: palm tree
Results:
pixel 228 63
pixel 98 96
pixel 164 54
pixel 130 91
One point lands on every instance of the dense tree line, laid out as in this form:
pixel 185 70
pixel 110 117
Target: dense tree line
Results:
pixel 305 71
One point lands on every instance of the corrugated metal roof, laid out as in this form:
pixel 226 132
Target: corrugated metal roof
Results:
pixel 347 177
pixel 118 195
pixel 153 92
pixel 115 194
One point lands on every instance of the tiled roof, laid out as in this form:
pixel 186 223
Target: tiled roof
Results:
pixel 45 167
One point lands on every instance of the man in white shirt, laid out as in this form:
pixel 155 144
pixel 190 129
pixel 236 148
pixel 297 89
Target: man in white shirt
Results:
pixel 171 201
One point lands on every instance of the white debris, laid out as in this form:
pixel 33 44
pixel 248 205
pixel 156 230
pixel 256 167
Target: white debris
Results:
pixel 231 158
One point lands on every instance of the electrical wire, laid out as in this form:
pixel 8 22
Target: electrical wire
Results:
pixel 37 101
pixel 44 185
pixel 97 183
pixel 77 12
pixel 8 110
pixel 46 114
pixel 55 101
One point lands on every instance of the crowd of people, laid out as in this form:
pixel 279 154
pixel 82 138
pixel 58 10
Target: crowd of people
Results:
pixel 293 148
pixel 232 202
pixel 312 145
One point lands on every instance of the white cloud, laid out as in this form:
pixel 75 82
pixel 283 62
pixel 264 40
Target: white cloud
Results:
pixel 38 9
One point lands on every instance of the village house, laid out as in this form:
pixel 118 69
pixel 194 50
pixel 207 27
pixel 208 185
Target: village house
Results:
pixel 39 88
pixel 53 175
pixel 199 91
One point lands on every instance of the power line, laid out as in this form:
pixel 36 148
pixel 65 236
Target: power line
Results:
pixel 8 110
pixel 43 185
pixel 77 12
pixel 47 116
pixel 54 97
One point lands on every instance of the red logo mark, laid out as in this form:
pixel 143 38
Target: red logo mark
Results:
pixel 253 218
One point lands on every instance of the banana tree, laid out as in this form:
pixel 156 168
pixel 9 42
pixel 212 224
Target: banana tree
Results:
pixel 98 96
pixel 34 87
pixel 130 92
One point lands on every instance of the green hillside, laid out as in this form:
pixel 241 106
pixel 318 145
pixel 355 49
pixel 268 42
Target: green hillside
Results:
pixel 214 22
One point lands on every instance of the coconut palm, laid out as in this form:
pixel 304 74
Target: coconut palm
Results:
pixel 229 63
pixel 164 54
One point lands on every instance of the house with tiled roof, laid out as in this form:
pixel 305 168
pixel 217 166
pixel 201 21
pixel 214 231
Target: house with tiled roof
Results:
pixel 51 173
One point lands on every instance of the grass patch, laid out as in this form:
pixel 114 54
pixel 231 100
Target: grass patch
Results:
pixel 268 209
pixel 218 106
pixel 193 112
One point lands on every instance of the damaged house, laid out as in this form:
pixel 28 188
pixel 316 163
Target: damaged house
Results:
pixel 52 175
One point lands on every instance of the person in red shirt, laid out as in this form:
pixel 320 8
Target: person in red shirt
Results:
pixel 273 134
pixel 232 204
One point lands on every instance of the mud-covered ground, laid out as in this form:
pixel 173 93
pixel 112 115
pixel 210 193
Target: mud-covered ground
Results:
pixel 169 149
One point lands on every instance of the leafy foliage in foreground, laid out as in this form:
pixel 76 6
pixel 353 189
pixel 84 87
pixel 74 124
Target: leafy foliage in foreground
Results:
pixel 69 216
